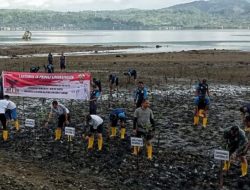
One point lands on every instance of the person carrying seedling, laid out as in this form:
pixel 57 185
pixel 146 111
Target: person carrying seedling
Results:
pixel 94 123
pixel 201 109
pixel 63 116
pixel 116 115
pixel 236 142
pixel 144 127
pixel 11 113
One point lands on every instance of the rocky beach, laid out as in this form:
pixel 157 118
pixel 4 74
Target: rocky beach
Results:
pixel 182 153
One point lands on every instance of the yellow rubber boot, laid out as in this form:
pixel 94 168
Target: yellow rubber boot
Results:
pixel 91 142
pixel 100 142
pixel 247 129
pixel 5 135
pixel 69 138
pixel 123 131
pixel 17 126
pixel 58 133
pixel 150 152
pixel 113 131
pixel 196 120
pixel 244 167
pixel 226 166
pixel 204 122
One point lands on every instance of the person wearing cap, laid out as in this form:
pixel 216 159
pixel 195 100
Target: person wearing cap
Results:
pixel 95 125
pixel 11 113
pixel 202 89
pixel 63 116
pixel 201 110
pixel 116 115
pixel 236 142
pixel 144 127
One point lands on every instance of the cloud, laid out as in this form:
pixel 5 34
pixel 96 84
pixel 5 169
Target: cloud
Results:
pixel 78 5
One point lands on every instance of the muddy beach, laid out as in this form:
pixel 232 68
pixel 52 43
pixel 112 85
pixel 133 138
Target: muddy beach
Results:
pixel 182 153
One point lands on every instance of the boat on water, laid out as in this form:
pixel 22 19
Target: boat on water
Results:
pixel 27 35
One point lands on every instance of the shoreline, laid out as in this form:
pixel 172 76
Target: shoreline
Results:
pixel 222 66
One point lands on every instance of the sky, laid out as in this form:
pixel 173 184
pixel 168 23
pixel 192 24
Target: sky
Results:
pixel 80 5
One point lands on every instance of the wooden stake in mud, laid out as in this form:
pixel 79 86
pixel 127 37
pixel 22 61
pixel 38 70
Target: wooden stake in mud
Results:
pixel 221 174
pixel 23 111
pixel 222 155
pixel 158 142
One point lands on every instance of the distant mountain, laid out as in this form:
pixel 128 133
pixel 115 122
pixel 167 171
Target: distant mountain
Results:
pixel 194 15
pixel 220 7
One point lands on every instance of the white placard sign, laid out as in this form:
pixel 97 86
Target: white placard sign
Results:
pixel 221 154
pixel 29 123
pixel 136 141
pixel 70 131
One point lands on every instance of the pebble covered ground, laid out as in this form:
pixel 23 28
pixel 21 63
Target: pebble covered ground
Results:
pixel 182 153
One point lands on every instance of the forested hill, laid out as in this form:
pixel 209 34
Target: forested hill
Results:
pixel 195 15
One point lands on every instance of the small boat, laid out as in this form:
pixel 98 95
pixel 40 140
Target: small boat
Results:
pixel 27 35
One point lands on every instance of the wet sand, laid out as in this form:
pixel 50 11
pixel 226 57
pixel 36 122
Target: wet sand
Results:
pixel 183 154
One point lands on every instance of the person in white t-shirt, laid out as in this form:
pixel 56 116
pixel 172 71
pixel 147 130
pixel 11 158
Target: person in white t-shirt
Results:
pixel 3 106
pixel 11 113
pixel 95 124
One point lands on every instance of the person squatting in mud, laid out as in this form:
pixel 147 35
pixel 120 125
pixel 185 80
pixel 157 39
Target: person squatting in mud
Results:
pixel 63 117
pixel 94 95
pixel 116 115
pixel 236 142
pixel 144 127
pixel 3 106
pixel 141 94
pixel 201 109
pixel 11 113
pixel 94 124
pixel 34 69
pixel 113 81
